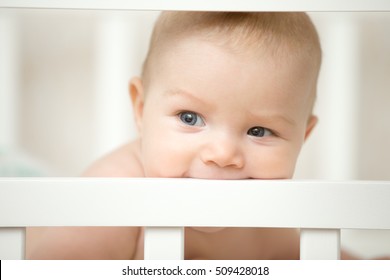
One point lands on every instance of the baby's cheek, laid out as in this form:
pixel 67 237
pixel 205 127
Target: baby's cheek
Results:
pixel 273 166
pixel 163 163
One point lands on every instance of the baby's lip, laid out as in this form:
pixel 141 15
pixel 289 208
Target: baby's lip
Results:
pixel 232 178
pixel 219 177
pixel 215 175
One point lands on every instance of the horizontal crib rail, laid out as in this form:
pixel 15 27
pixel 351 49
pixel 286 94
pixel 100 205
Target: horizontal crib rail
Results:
pixel 215 5
pixel 194 202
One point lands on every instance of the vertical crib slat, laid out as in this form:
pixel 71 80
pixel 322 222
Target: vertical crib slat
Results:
pixel 12 243
pixel 164 243
pixel 320 244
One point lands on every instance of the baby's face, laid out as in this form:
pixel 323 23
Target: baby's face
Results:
pixel 211 113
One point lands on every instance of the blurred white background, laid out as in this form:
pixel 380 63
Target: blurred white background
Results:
pixel 64 96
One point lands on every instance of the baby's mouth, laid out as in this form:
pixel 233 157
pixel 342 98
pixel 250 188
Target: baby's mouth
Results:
pixel 217 178
pixel 208 229
pixel 215 175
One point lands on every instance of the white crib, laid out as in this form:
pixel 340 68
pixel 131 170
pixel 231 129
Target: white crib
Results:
pixel 164 206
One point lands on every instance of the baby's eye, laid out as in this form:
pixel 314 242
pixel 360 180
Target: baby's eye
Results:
pixel 258 131
pixel 191 118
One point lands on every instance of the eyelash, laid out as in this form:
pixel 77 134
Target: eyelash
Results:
pixel 188 114
pixel 260 130
pixel 264 132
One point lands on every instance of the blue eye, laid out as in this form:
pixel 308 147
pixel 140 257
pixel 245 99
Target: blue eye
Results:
pixel 258 131
pixel 191 118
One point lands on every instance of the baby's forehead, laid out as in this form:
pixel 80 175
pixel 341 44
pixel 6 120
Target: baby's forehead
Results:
pixel 194 52
pixel 201 60
pixel 279 55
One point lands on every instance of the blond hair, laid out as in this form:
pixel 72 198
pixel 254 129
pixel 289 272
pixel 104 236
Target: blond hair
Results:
pixel 282 33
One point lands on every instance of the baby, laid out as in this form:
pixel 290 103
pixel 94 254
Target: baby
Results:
pixel 221 96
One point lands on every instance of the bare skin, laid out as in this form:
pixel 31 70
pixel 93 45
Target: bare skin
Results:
pixel 127 242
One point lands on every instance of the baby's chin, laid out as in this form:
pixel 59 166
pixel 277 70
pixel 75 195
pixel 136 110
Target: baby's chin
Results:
pixel 208 229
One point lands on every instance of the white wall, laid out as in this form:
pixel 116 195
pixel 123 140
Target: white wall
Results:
pixel 73 94
pixel 72 106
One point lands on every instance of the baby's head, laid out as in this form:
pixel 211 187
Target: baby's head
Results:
pixel 226 95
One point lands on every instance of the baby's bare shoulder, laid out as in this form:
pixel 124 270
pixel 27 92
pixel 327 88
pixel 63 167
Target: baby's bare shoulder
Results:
pixel 122 162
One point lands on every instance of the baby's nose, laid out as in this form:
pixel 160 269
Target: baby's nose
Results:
pixel 224 153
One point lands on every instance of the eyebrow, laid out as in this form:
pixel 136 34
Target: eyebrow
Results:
pixel 186 94
pixel 272 117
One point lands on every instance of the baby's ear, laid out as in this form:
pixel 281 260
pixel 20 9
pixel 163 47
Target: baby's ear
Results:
pixel 136 91
pixel 311 123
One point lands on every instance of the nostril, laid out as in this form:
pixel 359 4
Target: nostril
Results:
pixel 224 164
pixel 223 155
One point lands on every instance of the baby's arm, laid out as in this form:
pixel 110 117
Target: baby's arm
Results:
pixel 81 242
pixel 90 242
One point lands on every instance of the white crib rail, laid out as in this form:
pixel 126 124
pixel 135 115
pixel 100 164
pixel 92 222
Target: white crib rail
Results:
pixel 200 5
pixel 165 206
